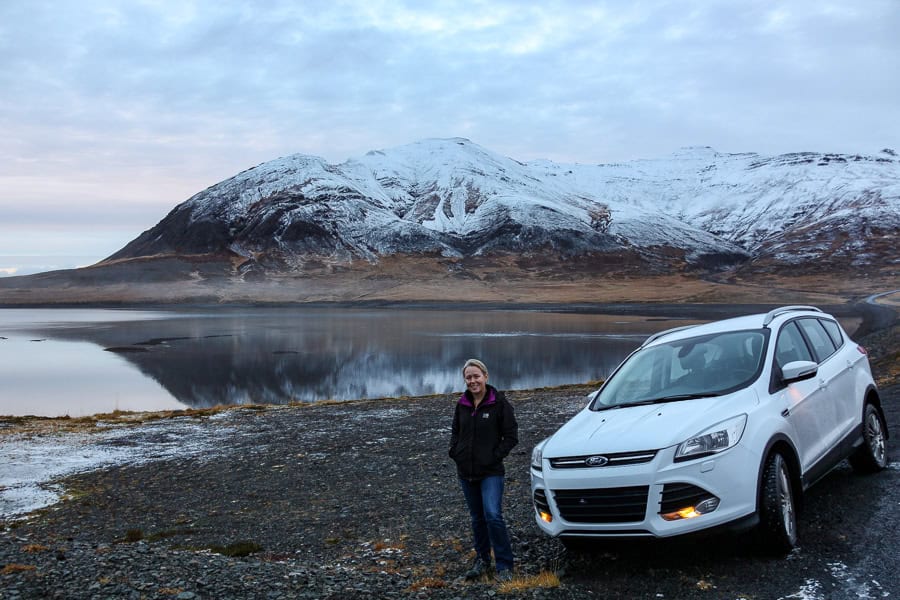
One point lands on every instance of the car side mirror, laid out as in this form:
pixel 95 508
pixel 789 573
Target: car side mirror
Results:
pixel 592 396
pixel 799 370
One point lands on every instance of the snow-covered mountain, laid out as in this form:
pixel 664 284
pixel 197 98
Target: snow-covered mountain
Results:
pixel 453 198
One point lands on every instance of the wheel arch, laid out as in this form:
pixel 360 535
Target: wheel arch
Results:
pixel 872 397
pixel 782 445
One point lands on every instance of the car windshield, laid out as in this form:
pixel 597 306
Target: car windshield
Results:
pixel 698 367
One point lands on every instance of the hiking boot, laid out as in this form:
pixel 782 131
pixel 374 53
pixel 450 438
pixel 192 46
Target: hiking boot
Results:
pixel 504 575
pixel 479 568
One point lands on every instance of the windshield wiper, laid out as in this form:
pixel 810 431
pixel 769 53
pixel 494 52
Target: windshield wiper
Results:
pixel 662 400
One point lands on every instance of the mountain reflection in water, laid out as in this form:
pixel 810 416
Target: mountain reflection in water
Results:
pixel 239 356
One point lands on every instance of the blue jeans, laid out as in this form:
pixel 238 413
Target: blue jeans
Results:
pixel 484 499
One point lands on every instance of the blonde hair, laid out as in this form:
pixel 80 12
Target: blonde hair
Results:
pixel 474 362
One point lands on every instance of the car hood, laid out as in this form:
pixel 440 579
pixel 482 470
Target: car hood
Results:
pixel 649 427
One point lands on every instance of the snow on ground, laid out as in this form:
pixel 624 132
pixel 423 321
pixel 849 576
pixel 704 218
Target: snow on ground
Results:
pixel 846 585
pixel 30 464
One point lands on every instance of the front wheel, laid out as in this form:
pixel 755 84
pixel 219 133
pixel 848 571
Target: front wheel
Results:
pixel 778 507
pixel 871 456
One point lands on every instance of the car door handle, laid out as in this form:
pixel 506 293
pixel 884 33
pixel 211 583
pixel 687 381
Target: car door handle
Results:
pixel 786 413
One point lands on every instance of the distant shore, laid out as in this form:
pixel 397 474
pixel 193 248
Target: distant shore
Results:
pixel 428 280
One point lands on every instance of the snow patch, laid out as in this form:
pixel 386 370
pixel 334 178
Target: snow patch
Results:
pixel 845 580
pixel 446 195
pixel 32 464
pixel 810 590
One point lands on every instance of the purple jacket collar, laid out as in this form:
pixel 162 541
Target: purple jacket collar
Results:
pixel 468 401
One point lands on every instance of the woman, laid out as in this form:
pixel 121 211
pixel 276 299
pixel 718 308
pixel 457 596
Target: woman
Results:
pixel 484 431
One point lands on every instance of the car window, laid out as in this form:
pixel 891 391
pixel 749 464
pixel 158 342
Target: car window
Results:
pixel 834 332
pixel 701 366
pixel 791 346
pixel 818 337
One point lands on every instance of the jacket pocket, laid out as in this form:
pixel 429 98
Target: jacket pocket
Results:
pixel 485 458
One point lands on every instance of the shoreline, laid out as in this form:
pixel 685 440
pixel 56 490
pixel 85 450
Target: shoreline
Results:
pixel 384 285
pixel 877 323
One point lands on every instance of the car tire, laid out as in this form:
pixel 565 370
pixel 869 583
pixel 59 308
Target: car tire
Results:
pixel 778 506
pixel 871 456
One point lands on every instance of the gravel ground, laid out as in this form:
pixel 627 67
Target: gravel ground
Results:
pixel 344 500
pixel 359 500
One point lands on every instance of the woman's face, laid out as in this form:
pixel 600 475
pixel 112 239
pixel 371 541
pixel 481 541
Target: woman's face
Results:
pixel 475 380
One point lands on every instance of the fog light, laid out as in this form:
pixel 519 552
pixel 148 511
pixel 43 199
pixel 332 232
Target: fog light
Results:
pixel 545 516
pixel 703 507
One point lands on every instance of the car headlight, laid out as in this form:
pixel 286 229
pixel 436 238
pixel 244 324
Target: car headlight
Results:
pixel 537 455
pixel 715 439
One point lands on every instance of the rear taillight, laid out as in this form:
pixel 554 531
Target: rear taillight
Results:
pixel 861 350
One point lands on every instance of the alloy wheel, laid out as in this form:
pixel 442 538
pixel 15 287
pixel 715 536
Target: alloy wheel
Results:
pixel 786 499
pixel 875 437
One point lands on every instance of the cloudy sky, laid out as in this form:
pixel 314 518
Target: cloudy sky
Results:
pixel 112 112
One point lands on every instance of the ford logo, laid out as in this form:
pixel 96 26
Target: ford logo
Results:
pixel 596 461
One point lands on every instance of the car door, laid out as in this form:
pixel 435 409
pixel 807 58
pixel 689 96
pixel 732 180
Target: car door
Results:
pixel 835 378
pixel 851 356
pixel 801 399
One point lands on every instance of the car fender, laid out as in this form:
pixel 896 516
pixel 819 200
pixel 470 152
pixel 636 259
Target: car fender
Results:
pixel 783 444
pixel 872 396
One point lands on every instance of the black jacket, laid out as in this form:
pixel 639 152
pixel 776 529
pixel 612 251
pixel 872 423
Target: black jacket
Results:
pixel 482 437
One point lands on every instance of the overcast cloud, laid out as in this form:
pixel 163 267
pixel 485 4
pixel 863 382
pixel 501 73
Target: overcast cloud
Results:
pixel 113 112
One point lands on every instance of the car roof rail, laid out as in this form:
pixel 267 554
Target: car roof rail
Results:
pixel 659 334
pixel 770 316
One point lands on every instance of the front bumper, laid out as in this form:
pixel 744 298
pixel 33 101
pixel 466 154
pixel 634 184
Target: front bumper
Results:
pixel 628 500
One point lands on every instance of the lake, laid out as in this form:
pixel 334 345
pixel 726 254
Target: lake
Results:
pixel 76 362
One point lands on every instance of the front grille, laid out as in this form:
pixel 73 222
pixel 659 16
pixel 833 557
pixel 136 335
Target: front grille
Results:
pixel 603 505
pixel 540 501
pixel 676 496
pixel 615 459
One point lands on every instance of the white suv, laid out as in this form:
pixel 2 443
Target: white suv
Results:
pixel 722 424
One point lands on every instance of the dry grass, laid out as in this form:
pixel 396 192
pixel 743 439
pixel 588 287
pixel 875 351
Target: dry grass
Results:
pixel 454 543
pixel 48 425
pixel 892 300
pixel 382 545
pixel 16 568
pixel 887 369
pixel 502 278
pixel 544 580
pixel 427 583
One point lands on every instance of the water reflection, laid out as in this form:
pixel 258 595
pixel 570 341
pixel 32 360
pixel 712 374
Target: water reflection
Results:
pixel 230 356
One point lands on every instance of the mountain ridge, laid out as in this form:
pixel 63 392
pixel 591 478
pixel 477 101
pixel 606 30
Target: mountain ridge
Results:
pixel 453 198
pixel 445 218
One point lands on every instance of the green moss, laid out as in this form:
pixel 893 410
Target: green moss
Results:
pixel 242 548
pixel 133 535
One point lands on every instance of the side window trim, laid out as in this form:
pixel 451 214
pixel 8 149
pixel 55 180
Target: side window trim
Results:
pixel 834 332
pixel 774 385
pixel 813 350
pixel 803 338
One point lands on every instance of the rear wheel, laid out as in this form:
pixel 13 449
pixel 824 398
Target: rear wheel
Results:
pixel 778 507
pixel 872 455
